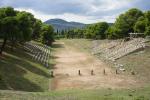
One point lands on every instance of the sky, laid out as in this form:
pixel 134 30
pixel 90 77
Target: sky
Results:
pixel 84 11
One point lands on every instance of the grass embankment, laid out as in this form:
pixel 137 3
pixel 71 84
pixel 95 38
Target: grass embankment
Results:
pixel 18 71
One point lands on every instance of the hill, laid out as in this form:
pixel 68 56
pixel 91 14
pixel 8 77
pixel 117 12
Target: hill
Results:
pixel 60 24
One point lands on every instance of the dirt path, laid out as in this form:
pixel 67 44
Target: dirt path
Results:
pixel 69 60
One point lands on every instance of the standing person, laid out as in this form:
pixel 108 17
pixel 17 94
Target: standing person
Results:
pixel 104 72
pixel 79 73
pixel 92 72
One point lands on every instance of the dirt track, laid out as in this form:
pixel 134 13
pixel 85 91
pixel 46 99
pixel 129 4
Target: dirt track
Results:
pixel 69 60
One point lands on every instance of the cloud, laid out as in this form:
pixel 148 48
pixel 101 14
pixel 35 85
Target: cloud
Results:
pixel 87 11
pixel 65 16
pixel 47 6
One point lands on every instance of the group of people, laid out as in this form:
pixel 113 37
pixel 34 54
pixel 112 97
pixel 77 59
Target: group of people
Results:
pixel 92 72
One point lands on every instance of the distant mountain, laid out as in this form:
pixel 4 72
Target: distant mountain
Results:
pixel 60 24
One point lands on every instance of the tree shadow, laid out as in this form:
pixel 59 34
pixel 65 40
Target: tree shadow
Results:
pixel 57 45
pixel 12 78
pixel 13 68
pixel 51 66
pixel 54 57
pixel 26 62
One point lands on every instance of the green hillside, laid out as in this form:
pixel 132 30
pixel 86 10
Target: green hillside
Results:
pixel 18 71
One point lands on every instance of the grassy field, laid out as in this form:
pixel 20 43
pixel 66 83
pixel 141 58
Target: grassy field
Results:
pixel 84 45
pixel 19 72
pixel 103 94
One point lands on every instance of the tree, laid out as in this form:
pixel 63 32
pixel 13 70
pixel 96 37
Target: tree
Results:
pixel 26 22
pixel 10 27
pixel 147 18
pixel 71 33
pixel 147 32
pixel 2 15
pixel 79 33
pixel 47 34
pixel 126 22
pixel 121 26
pixel 140 25
pixel 110 33
pixel 7 25
pixel 67 34
pixel 132 16
pixel 103 26
pixel 96 31
pixel 89 33
pixel 37 29
pixel 62 33
pixel 147 22
pixel 20 27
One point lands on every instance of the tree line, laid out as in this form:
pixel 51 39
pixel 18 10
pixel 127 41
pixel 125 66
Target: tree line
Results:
pixel 18 27
pixel 133 20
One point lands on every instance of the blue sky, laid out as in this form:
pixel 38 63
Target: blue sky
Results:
pixel 85 11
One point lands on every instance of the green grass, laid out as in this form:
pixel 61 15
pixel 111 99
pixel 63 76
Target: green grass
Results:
pixel 19 72
pixel 83 45
pixel 103 94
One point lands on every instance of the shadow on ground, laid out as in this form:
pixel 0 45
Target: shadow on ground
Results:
pixel 19 72
pixel 56 45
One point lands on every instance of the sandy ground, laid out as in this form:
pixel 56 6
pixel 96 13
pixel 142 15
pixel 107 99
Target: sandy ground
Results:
pixel 69 60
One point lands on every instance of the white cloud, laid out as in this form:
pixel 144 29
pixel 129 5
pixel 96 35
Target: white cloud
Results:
pixel 114 4
pixel 37 14
pixel 86 11
pixel 68 16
